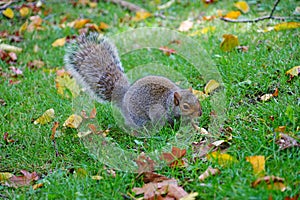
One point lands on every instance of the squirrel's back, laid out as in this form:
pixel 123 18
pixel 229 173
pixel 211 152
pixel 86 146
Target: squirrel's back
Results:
pixel 93 60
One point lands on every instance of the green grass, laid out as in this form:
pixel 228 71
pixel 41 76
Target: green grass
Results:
pixel 246 76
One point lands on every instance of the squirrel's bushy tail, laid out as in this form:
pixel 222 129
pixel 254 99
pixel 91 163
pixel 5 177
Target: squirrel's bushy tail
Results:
pixel 93 60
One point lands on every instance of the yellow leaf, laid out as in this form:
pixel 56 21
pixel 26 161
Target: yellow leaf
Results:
pixel 186 26
pixel 242 6
pixel 93 4
pixel 204 31
pixel 211 86
pixel 258 164
pixel 38 185
pixel 232 15
pixel 46 117
pixel 79 23
pixel 4 176
pixel 59 42
pixel 223 159
pixel 73 121
pixel 23 28
pixel 141 15
pixel 199 94
pixel 229 42
pixel 9 13
pixel 24 11
pixel 64 84
pixel 295 71
pixel 286 25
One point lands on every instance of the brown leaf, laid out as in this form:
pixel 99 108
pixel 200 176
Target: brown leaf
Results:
pixel 53 130
pixel 273 183
pixel 286 141
pixel 153 177
pixel 145 164
pixel 209 172
pixel 174 159
pixel 26 179
pixel 275 94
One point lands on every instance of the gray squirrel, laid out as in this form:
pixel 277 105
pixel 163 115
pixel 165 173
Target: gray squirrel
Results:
pixel 94 62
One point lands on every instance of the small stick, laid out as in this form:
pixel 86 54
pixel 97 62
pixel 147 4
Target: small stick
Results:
pixel 130 6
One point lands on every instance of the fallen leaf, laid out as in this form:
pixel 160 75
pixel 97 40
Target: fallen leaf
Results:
pixel 295 71
pixel 200 94
pixel 233 15
pixel 36 186
pixel 242 6
pixel 243 48
pixel 222 159
pixel 8 12
pixel 53 130
pixel 275 94
pixel 166 5
pixel 93 4
pixel 73 121
pixel 24 11
pixel 141 15
pixel 35 24
pixel 79 23
pixel 191 196
pixel 35 64
pixel 23 28
pixel 286 25
pixel 24 180
pixel 153 177
pixel 174 159
pixel 208 172
pixel 205 30
pixel 258 164
pixel 46 117
pixel 273 183
pixel 229 42
pixel 167 50
pixel 145 164
pixel 4 176
pixel 97 177
pixel 285 141
pixel 13 56
pixel 59 42
pixel 185 26
pixel 103 26
pixel 66 85
pixel 211 86
pixel 280 129
pixel 7 47
pixel 266 97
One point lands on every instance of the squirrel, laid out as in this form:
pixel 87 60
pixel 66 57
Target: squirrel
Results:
pixel 94 62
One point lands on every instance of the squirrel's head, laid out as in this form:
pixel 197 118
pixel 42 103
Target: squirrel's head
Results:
pixel 188 103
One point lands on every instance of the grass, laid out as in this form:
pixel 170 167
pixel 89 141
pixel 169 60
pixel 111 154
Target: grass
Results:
pixel 246 76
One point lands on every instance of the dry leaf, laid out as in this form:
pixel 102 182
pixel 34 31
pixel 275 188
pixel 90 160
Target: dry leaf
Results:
pixel 275 93
pixel 167 50
pixel 23 28
pixel 258 164
pixel 35 24
pixel 24 11
pixel 295 71
pixel 186 26
pixel 205 30
pixel 141 15
pixel 36 186
pixel 242 6
pixel 286 25
pixel 93 4
pixel 4 176
pixel 233 15
pixel 97 177
pixel 280 129
pixel 59 42
pixel 211 86
pixel 174 159
pixel 103 26
pixel 153 177
pixel 53 130
pixel 8 12
pixel 7 47
pixel 199 94
pixel 266 97
pixel 191 196
pixel 79 23
pixel 46 117
pixel 209 172
pixel 273 183
pixel 223 159
pixel 24 180
pixel 145 164
pixel 73 121
pixel 285 141
pixel 229 42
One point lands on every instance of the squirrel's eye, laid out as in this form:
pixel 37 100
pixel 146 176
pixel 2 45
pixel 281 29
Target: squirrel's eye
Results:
pixel 186 106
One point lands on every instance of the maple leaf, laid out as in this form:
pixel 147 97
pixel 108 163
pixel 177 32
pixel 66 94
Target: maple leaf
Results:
pixel 145 164
pixel 174 159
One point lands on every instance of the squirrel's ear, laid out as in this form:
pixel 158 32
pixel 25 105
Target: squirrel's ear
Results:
pixel 177 98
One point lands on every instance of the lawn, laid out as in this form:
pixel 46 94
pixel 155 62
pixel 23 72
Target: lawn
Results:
pixel 69 169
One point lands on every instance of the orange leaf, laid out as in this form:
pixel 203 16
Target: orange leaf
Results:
pixel 79 23
pixel 24 11
pixel 232 15
pixel 258 164
pixel 229 42
pixel 141 15
pixel 242 6
pixel 103 26
pixel 286 25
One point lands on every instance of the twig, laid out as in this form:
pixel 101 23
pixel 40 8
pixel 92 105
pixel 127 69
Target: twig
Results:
pixel 270 16
pixel 55 147
pixel 130 6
